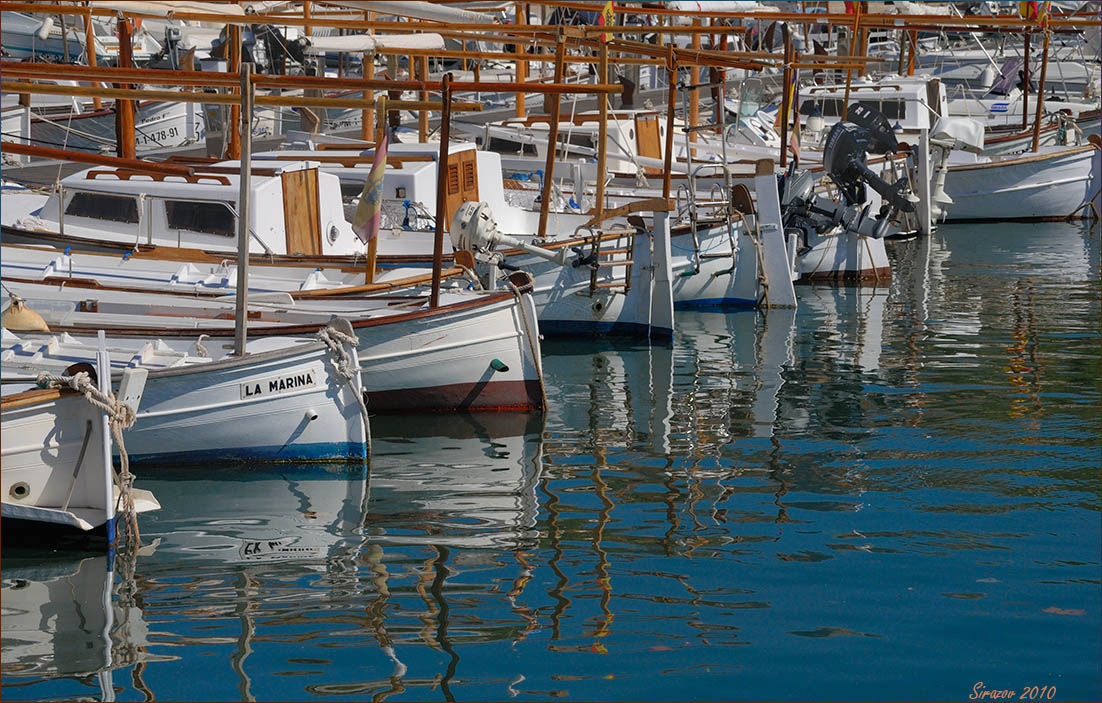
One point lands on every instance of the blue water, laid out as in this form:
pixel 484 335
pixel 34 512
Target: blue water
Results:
pixel 890 494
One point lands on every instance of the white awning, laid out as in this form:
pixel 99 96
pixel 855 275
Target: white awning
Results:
pixel 419 10
pixel 370 43
pixel 166 8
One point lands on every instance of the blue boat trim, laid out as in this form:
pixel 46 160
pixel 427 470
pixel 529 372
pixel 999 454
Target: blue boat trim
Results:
pixel 576 328
pixel 319 451
pixel 715 303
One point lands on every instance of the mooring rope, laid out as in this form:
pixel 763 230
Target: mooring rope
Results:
pixel 120 417
pixel 348 367
pixel 531 341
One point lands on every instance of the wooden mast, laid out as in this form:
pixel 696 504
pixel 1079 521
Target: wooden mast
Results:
pixel 671 69
pixel 1041 86
pixel 552 137
pixel 233 58
pixel 441 188
pixel 1025 83
pixel 241 319
pixel 694 95
pixel 367 64
pixel 125 147
pixel 853 41
pixel 90 51
pixel 786 98
pixel 602 133
pixel 521 65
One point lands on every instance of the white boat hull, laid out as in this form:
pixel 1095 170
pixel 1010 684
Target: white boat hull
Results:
pixel 1050 185
pixel 41 480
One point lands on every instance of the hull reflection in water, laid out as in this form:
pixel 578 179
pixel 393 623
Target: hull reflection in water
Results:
pixel 59 620
pixel 717 383
pixel 471 478
pixel 367 565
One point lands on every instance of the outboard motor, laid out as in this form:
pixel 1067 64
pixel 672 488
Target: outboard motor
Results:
pixel 844 157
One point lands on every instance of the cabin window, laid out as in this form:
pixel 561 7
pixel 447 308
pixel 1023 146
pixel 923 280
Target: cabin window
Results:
pixel 453 179
pixel 116 208
pixel 832 107
pixel 210 218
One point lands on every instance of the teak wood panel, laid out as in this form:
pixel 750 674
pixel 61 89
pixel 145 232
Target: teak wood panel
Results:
pixel 300 212
pixel 648 141
pixel 461 182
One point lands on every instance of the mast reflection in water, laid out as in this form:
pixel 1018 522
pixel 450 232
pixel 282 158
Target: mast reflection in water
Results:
pixel 889 493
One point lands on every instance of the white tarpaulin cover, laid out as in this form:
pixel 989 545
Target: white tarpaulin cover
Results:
pixel 964 132
pixel 166 8
pixel 419 10
pixel 368 43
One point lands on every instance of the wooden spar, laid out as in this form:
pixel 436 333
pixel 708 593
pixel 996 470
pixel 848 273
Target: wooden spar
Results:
pixel 367 115
pixel 90 51
pixel 853 41
pixel 602 133
pixel 95 159
pixel 671 71
pixel 309 26
pixel 1041 87
pixel 552 142
pixel 933 22
pixel 241 317
pixel 1025 83
pixel 912 41
pixel 201 78
pixel 441 190
pixel 423 116
pixel 233 59
pixel 521 10
pixel 125 146
pixel 223 99
pixel 694 95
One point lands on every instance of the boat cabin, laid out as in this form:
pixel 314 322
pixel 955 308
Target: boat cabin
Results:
pixel 295 209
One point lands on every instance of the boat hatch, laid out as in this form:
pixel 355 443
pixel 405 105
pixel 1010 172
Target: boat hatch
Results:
pixel 300 212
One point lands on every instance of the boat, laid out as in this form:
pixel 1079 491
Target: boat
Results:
pixel 475 350
pixel 57 446
pixel 285 400
pixel 1054 183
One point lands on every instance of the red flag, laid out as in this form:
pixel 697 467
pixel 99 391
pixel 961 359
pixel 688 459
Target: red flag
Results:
pixel 369 212
pixel 605 19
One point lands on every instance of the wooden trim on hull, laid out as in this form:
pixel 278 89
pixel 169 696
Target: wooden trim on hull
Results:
pixel 284 330
pixel 485 395
pixel 877 275
pixel 1027 159
pixel 33 397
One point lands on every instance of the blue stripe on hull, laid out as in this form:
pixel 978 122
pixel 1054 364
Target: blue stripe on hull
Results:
pixel 575 328
pixel 714 303
pixel 320 451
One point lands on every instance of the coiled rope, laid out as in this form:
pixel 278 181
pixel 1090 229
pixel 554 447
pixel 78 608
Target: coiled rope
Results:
pixel 348 367
pixel 120 417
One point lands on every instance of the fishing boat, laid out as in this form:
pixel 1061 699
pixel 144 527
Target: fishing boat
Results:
pixel 285 400
pixel 1054 183
pixel 473 350
pixel 57 447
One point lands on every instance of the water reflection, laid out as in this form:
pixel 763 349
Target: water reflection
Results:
pixel 903 476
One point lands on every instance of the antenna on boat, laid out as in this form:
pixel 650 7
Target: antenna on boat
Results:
pixel 241 318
